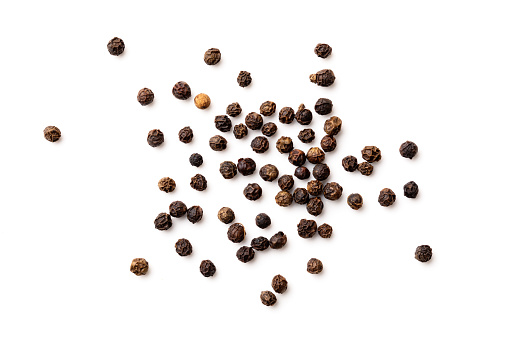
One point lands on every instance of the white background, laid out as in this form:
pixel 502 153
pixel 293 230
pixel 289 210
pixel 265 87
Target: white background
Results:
pixel 75 213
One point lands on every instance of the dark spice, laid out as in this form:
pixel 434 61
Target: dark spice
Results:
pixel 166 184
pixel 269 172
pixel 226 215
pixel 194 214
pixel 371 154
pixel 284 199
pixel 202 101
pixel 240 131
pixel 297 157
pixel 332 191
pixel 236 233
pixel 284 144
pixel 262 220
pixel 269 129
pixel 286 115
pixel 323 50
pixel 354 200
pixel 323 78
pixel 260 243
pixel 246 166
pixel 279 284
pixel 186 135
pixel 365 168
pixel 285 182
pixel 212 56
pixel 260 144
pixel 52 133
pixel 244 79
pixel 301 196
pixel 245 254
pixel 253 192
pixel 278 240
pixel 116 46
pixel 349 163
pixel 325 230
pixel 332 126
pixel 218 143
pixel 303 115
pixel 163 221
pixel 268 108
pixel 178 209
pixel 228 169
pixel 223 123
pixel 314 266
pixel 323 106
pixel 302 173
pixel 207 268
pixel 145 96
pixel 198 182
pixel 423 253
pixel 181 90
pixel 254 121
pixel 315 206
pixel 411 189
pixel 183 247
pixel 328 143
pixel 139 266
pixel 315 187
pixel 307 135
pixel 321 172
pixel 155 138
pixel 387 197
pixel 408 149
pixel 196 160
pixel 234 109
pixel 315 155
pixel 306 228
pixel 268 298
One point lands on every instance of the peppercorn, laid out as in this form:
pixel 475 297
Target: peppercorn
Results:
pixel 228 169
pixel 181 90
pixel 155 138
pixel 314 266
pixel 301 196
pixel 178 209
pixel 325 230
pixel 145 96
pixel 212 56
pixel 194 214
pixel 52 133
pixel 246 166
pixel 166 184
pixel 186 135
pixel 332 191
pixel 307 135
pixel 268 108
pixel 410 190
pixel 198 182
pixel 323 50
pixel 285 182
pixel 284 199
pixel 253 192
pixel 244 79
pixel 278 240
pixel 423 253
pixel 163 221
pixel 323 106
pixel 297 157
pixel 253 121
pixel 269 129
pixel 269 172
pixel 286 115
pixel 371 154
pixel 349 163
pixel 260 243
pixel 234 109
pixel 196 160
pixel 321 171
pixel 302 173
pixel 306 228
pixel 239 131
pixel 387 197
pixel 303 115
pixel 365 168
pixel 284 144
pixel 245 254
pixel 408 149
pixel 354 200
pixel 279 284
pixel 202 101
pixel 139 266
pixel 315 187
pixel 183 247
pixel 328 143
pixel 218 143
pixel 332 126
pixel 315 206
pixel 323 78
pixel 116 46
pixel 207 268
pixel 223 123
pixel 226 215
pixel 315 155
pixel 236 233
pixel 260 144
pixel 262 220
pixel 268 298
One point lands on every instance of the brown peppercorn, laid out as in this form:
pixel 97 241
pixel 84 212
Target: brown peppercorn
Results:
pixel 234 109
pixel 301 196
pixel 181 90
pixel 269 172
pixel 218 143
pixel 321 172
pixel 315 155
pixel 349 163
pixel 284 144
pixel 262 220
pixel 306 228
pixel 332 191
pixel 323 106
pixel 269 129
pixel 194 214
pixel 278 240
pixel 279 284
pixel 387 197
pixel 323 50
pixel 286 115
pixel 236 233
pixel 260 243
pixel 245 254
pixel 226 215
pixel 285 182
pixel 325 230
pixel 315 206
pixel 198 182
pixel 145 96
pixel 365 168
pixel 410 190
pixel 423 253
pixel 328 143
pixel 186 135
pixel 284 199
pixel 314 266
pixel 260 144
pixel 253 192
pixel 223 123
pixel 228 169
pixel 244 79
pixel 315 187
pixel 303 115
pixel 267 108
pixel 332 126
pixel 302 173
pixel 246 166
pixel 166 184
pixel 212 56
pixel 163 221
pixel 354 200
pixel 155 138
pixel 371 153
pixel 183 247
pixel 254 121
pixel 408 149
pixel 116 46
pixel 239 131
pixel 268 298
pixel 52 133
pixel 297 157
pixel 196 160
pixel 178 209
pixel 139 266
pixel 307 135
pixel 323 78
pixel 207 268
pixel 202 101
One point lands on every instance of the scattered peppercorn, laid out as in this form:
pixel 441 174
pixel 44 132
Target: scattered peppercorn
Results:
pixel 183 247
pixel 198 182
pixel 268 108
pixel 279 284
pixel 223 123
pixel 423 253
pixel 246 166
pixel 349 163
pixel 371 153
pixel 315 206
pixel 52 133
pixel 323 50
pixel 278 240
pixel 306 228
pixel 218 143
pixel 212 56
pixel 181 90
pixel 321 172
pixel 116 46
pixel 269 172
pixel 354 200
pixel 301 196
pixel 178 209
pixel 239 131
pixel 408 149
pixel 139 266
pixel 387 197
pixel 284 144
pixel 166 184
pixel 269 129
pixel 303 115
pixel 253 191
pixel 194 214
pixel 228 169
pixel 325 230
pixel 244 79
pixel 284 199
pixel 186 135
pixel 411 189
pixel 260 144
pixel 234 109
pixel 323 106
pixel 155 138
pixel 253 121
pixel 314 266
pixel 365 168
pixel 297 157
pixel 323 78
pixel 332 126
pixel 302 173
pixel 268 298
pixel 145 96
pixel 245 254
pixel 202 101
pixel 286 115
pixel 226 215
pixel 315 155
pixel 332 191
pixel 163 221
pixel 328 143
pixel 262 220
pixel 236 233
pixel 260 243
pixel 307 135
pixel 315 187
pixel 285 182
pixel 207 268
pixel 196 160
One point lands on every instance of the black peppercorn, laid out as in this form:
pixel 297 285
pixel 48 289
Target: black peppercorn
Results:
pixel 307 135
pixel 183 247
pixel 315 187
pixel 349 163
pixel 268 108
pixel 226 215
pixel 116 46
pixel 207 268
pixel 145 96
pixel 253 191
pixel 244 79
pixel 246 166
pixel 284 199
pixel 315 206
pixel 328 143
pixel 387 197
pixel 323 106
pixel 285 182
pixel 332 191
pixel 186 135
pixel 365 168
pixel 411 189
pixel 306 228
pixel 408 149
pixel 178 209
pixel 303 115
pixel 212 56
pixel 297 157
pixel 228 169
pixel 236 233
pixel 284 144
pixel 166 184
pixel 194 214
pixel 52 133
pixel 325 230
pixel 196 160
pixel 269 129
pixel 239 131
pixel 245 254
pixel 321 172
pixel 223 123
pixel 371 153
pixel 218 143
pixel 301 196
pixel 234 109
pixel 139 266
pixel 423 253
pixel 323 78
pixel 198 182
pixel 181 90
pixel 302 173
pixel 279 284
pixel 163 221
pixel 268 298
pixel 314 266
pixel 260 144
pixel 332 126
pixel 260 243
pixel 354 200
pixel 155 138
pixel 262 220
pixel 315 155
pixel 253 121
pixel 323 50
pixel 269 172
pixel 286 115
pixel 278 240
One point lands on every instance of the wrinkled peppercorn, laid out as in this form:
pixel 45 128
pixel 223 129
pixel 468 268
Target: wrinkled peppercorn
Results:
pixel 332 126
pixel 297 157
pixel 253 191
pixel 325 230
pixel 315 206
pixel 323 50
pixel 212 56
pixel 269 172
pixel 269 129
pixel 239 131
pixel 302 173
pixel 278 240
pixel 245 254
pixel 387 197
pixel 202 101
pixel 371 154
pixel 139 266
pixel 284 144
pixel 423 253
pixel 332 191
pixel 260 144
pixel 234 109
pixel 260 243
pixel 181 90
pixel 328 143
pixel 262 220
pixel 306 228
pixel 408 149
pixel 321 172
pixel 284 199
pixel 163 221
pixel 315 155
pixel 218 143
pixel 116 46
pixel 228 169
pixel 268 298
pixel 183 247
pixel 285 182
pixel 301 196
pixel 52 133
pixel 365 168
pixel 178 209
pixel 226 215
pixel 253 121
pixel 236 233
pixel 194 214
pixel 155 138
pixel 279 284
pixel 314 266
pixel 354 200
pixel 410 190
pixel 244 79
pixel 186 135
pixel 323 106
pixel 166 184
pixel 198 182
pixel 145 96
pixel 349 163
pixel 315 187
pixel 196 160
pixel 323 78
pixel 303 115
pixel 207 268
pixel 223 123
pixel 286 115
pixel 307 135
pixel 268 108
pixel 246 166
